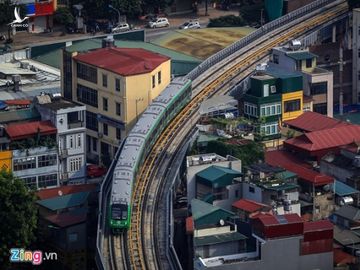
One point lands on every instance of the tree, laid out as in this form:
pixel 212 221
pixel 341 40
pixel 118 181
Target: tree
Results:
pixel 63 16
pixel 227 21
pixel 18 216
pixel 154 6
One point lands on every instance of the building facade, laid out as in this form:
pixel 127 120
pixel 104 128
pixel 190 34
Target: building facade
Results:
pixel 317 82
pixel 356 55
pixel 69 119
pixel 116 85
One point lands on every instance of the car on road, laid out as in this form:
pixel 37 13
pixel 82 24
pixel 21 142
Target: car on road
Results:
pixel 122 27
pixel 159 22
pixel 190 25
pixel 94 170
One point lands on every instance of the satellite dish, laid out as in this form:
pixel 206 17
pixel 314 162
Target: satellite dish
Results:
pixel 222 222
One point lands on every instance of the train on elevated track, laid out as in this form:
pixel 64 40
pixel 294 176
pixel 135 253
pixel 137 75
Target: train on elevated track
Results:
pixel 137 145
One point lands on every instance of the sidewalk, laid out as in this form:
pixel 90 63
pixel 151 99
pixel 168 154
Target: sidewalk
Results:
pixel 24 39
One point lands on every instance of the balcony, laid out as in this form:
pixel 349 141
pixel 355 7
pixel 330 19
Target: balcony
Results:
pixel 75 125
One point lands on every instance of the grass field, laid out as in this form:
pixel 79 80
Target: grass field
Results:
pixel 201 43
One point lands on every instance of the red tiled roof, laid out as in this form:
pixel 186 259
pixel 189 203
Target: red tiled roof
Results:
pixel 66 219
pixel 343 258
pixel 248 205
pixel 123 61
pixel 18 131
pixel 325 139
pixel 312 121
pixel 64 190
pixel 13 102
pixel 289 162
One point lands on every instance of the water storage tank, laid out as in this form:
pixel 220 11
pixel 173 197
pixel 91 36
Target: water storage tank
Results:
pixel 274 9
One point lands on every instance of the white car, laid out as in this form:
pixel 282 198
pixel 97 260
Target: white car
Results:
pixel 190 25
pixel 159 22
pixel 120 28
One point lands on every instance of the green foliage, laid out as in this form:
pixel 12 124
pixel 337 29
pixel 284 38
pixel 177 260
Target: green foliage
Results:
pixel 290 134
pixel 251 12
pixel 227 21
pixel 46 141
pixel 63 16
pixel 154 6
pixel 248 154
pixel 7 11
pixel 18 216
pixel 353 4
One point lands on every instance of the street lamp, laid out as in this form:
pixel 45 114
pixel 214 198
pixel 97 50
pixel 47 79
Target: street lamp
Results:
pixel 118 11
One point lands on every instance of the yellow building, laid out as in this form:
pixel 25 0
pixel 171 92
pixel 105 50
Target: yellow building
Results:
pixel 116 85
pixel 292 104
pixel 5 160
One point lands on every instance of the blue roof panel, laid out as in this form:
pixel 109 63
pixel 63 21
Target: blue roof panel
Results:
pixel 341 189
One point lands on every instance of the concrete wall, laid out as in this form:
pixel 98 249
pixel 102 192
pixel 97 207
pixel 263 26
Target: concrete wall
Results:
pixel 232 190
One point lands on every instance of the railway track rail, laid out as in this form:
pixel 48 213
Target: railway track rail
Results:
pixel 143 257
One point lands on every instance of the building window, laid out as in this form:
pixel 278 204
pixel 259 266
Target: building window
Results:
pixel 47 160
pixel 24 163
pixel 266 90
pixel 159 77
pixel 252 189
pixel 320 108
pixel 118 108
pixel 276 58
pixel 269 129
pixel 117 85
pixel 273 89
pixel 86 73
pixel 318 88
pixel 105 129
pixel 47 180
pixel 91 121
pixel 30 182
pixel 298 65
pixel 292 105
pixel 71 142
pixel 153 81
pixel 250 109
pixel 79 140
pixel 94 144
pixel 308 63
pixel 87 95
pixel 270 109
pixel 359 75
pixel 104 80
pixel 118 134
pixel 75 164
pixel 359 53
pixel 105 104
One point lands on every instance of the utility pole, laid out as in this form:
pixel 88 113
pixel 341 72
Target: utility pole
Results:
pixel 206 8
pixel 341 68
pixel 261 17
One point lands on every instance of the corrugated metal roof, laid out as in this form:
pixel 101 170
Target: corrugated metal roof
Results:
pixel 341 189
pixel 64 190
pixel 218 238
pixel 214 172
pixel 66 201
pixel 123 61
pixel 348 212
pixel 293 164
pixel 312 121
pixel 319 225
pixel 69 218
pixel 18 131
pixel 200 209
pixel 270 220
pixel 327 138
pixel 19 115
pixel 301 55
pixel 345 237
pixel 343 258
pixel 249 205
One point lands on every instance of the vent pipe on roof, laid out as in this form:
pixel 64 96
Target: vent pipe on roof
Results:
pixel 108 42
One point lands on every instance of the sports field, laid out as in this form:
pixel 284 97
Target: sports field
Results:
pixel 201 43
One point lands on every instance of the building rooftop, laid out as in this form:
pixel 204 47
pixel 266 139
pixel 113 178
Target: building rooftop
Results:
pixel 64 190
pixel 67 219
pixel 284 175
pixel 345 237
pixel 262 76
pixel 123 61
pixel 348 212
pixel 312 121
pixel 316 226
pixel 19 115
pixel 291 163
pixel 18 131
pixel 249 205
pixel 264 167
pixel 218 238
pixel 218 176
pixel 325 139
pixel 301 55
pixel 343 258
pixel 58 104
pixel 342 189
pixel 218 103
pixel 65 201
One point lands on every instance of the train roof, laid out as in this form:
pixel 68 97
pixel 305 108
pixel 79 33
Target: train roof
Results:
pixel 147 121
pixel 122 186
pixel 171 90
